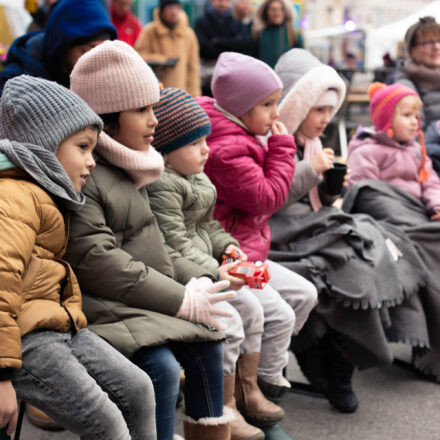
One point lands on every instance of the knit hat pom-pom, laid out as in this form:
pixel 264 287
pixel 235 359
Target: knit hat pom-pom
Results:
pixel 374 87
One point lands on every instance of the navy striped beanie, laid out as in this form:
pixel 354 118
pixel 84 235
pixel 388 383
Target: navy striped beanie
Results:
pixel 181 121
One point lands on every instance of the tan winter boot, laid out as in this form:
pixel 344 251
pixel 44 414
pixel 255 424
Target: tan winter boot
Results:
pixel 41 419
pixel 251 402
pixel 209 428
pixel 240 429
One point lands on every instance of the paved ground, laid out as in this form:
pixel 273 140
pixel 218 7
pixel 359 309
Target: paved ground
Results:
pixel 394 404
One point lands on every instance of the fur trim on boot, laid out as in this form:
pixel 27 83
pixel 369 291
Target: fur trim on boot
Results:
pixel 212 428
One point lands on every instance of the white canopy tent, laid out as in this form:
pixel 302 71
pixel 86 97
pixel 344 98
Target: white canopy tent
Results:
pixel 385 39
pixel 14 20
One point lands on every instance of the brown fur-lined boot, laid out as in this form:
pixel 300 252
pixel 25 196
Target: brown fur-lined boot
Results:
pixel 240 429
pixel 251 402
pixel 209 428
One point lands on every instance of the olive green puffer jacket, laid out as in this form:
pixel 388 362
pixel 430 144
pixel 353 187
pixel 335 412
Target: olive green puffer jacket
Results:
pixel 133 284
pixel 184 208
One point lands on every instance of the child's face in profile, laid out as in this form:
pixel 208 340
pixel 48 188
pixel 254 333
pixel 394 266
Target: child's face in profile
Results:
pixel 261 116
pixel 190 159
pixel 75 155
pixel 316 121
pixel 406 119
pixel 136 128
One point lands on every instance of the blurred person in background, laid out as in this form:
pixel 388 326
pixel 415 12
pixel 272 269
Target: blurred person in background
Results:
pixel 421 70
pixel 74 27
pixel 218 31
pixel 272 31
pixel 169 38
pixel 125 22
pixel 40 14
pixel 243 11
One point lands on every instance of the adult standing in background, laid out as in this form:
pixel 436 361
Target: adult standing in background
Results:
pixel 243 11
pixel 273 32
pixel 421 70
pixel 41 15
pixel 74 27
pixel 218 31
pixel 169 36
pixel 125 22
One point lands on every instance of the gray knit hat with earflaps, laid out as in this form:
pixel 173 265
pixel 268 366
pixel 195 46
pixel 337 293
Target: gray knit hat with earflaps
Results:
pixel 36 115
pixel 304 79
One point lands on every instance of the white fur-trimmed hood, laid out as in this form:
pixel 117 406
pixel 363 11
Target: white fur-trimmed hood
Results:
pixel 303 94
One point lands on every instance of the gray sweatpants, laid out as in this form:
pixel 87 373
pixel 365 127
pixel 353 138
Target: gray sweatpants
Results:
pixel 287 301
pixel 245 328
pixel 264 320
pixel 86 386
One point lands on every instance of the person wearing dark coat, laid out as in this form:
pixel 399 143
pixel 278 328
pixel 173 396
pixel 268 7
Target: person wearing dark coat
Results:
pixel 218 31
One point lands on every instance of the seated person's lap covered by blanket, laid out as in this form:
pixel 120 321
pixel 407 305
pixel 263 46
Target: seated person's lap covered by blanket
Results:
pixel 407 222
pixel 346 256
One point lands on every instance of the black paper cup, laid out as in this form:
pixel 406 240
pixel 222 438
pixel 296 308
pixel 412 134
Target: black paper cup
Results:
pixel 334 179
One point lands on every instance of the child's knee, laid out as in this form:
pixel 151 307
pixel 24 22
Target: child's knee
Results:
pixel 286 315
pixel 139 383
pixel 253 318
pixel 311 297
pixel 234 332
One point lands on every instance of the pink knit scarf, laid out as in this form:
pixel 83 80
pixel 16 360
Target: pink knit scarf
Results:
pixel 311 147
pixel 143 167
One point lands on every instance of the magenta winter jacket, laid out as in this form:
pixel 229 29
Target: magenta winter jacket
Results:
pixel 252 180
pixel 377 156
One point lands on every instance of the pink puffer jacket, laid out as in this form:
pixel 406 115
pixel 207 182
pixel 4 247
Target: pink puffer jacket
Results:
pixel 377 156
pixel 252 179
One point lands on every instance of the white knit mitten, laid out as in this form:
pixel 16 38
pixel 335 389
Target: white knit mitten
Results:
pixel 198 302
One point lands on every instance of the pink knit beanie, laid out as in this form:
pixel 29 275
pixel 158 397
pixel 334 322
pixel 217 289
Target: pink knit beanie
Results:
pixel 113 77
pixel 383 101
pixel 240 82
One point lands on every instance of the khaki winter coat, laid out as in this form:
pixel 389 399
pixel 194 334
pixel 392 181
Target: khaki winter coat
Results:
pixel 38 290
pixel 157 42
pixel 184 209
pixel 133 284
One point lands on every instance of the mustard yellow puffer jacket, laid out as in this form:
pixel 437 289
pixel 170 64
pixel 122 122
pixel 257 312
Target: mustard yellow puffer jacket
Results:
pixel 37 289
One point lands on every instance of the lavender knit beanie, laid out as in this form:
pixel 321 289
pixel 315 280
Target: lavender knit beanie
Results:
pixel 113 77
pixel 240 82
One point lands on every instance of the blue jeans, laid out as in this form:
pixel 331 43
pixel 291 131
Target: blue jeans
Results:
pixel 86 386
pixel 203 366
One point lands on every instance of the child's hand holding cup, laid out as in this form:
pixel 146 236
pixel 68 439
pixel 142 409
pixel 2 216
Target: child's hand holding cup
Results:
pixel 334 179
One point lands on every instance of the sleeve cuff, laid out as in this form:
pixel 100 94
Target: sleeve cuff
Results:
pixel 6 373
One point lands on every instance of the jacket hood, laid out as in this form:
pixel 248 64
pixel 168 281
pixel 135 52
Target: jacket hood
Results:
pixel 259 23
pixel 304 79
pixel 25 56
pixel 73 22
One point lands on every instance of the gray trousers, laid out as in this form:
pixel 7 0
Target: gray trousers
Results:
pixel 264 320
pixel 86 386
pixel 245 328
pixel 287 300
